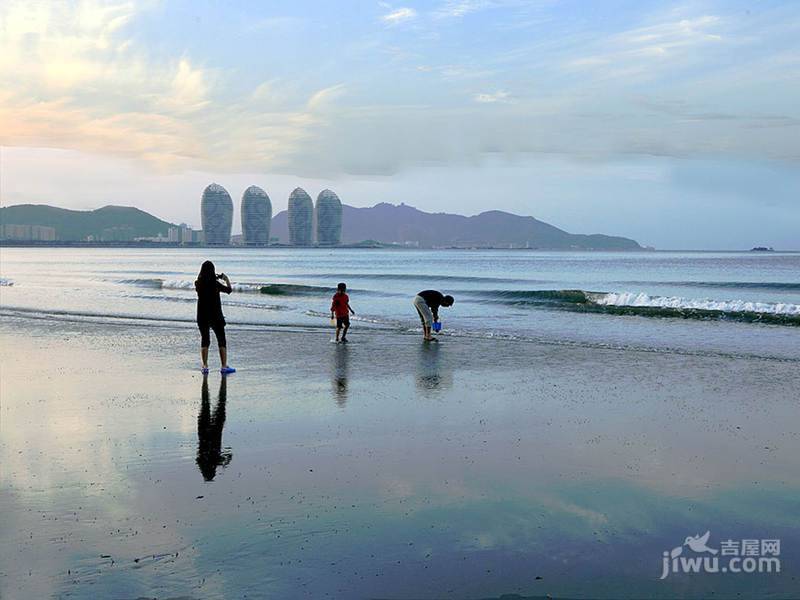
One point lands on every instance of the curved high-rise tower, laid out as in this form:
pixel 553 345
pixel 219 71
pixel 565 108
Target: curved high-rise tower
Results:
pixel 329 219
pixel 256 216
pixel 301 218
pixel 216 212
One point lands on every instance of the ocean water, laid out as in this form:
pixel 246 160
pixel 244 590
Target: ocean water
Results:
pixel 583 414
pixel 732 303
pixel 741 303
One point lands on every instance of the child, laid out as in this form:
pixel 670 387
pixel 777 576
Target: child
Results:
pixel 340 307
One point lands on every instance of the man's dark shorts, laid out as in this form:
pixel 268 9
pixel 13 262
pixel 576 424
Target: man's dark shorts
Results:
pixel 342 322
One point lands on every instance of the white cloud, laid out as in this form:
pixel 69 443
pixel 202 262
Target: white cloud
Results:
pixel 642 50
pixel 498 96
pixel 325 97
pixel 71 77
pixel 78 79
pixel 459 8
pixel 400 15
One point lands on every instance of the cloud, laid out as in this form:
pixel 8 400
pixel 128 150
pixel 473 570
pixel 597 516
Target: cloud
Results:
pixel 400 15
pixel 325 97
pixel 71 77
pixel 461 8
pixel 498 96
pixel 643 50
pixel 76 77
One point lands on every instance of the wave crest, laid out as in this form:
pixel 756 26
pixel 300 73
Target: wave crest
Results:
pixel 639 299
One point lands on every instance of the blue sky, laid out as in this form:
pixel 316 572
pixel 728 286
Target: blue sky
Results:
pixel 676 124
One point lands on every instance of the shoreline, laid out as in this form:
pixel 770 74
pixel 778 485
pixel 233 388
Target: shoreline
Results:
pixel 370 330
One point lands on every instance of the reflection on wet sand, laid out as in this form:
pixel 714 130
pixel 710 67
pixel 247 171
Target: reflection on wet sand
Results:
pixel 340 370
pixel 432 375
pixel 210 453
pixel 581 471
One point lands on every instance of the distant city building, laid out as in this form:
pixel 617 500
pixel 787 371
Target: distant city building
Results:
pixel 256 212
pixel 182 234
pixel 329 219
pixel 216 211
pixel 117 234
pixel 28 233
pixel 186 234
pixel 301 218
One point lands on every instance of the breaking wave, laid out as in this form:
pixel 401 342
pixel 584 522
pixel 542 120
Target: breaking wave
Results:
pixel 5 282
pixel 522 297
pixel 289 289
pixel 641 304
pixel 777 286
pixel 271 289
pixel 411 277
pixel 676 302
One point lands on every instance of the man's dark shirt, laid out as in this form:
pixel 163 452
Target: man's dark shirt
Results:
pixel 434 300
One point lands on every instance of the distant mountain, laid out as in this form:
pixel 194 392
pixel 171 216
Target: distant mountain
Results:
pixel 109 222
pixel 385 223
pixel 392 224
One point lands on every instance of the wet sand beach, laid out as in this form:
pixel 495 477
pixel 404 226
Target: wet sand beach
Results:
pixel 386 468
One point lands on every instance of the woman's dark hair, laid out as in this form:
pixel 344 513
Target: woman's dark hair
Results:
pixel 448 301
pixel 341 287
pixel 207 272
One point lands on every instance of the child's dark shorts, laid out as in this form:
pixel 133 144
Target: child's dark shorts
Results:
pixel 343 321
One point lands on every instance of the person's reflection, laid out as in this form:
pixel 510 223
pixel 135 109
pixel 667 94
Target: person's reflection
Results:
pixel 340 370
pixel 431 375
pixel 210 454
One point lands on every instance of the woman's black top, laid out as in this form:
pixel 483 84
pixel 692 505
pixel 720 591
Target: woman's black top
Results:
pixel 209 307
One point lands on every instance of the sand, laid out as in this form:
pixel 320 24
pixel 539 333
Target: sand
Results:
pixel 383 469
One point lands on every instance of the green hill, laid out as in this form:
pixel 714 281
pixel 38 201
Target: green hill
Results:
pixel 107 223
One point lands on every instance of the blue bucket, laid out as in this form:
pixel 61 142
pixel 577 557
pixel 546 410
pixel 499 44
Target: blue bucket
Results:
pixel 437 326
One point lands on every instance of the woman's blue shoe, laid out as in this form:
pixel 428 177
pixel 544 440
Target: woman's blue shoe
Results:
pixel 204 370
pixel 227 370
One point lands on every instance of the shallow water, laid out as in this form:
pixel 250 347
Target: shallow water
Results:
pixel 386 468
pixel 745 303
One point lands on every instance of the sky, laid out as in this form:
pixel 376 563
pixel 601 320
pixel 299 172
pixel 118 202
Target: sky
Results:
pixel 676 124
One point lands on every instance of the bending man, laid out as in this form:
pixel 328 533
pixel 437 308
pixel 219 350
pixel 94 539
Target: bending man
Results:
pixel 427 304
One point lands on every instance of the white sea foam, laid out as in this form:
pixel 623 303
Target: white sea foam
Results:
pixel 375 321
pixel 5 282
pixel 182 284
pixel 676 302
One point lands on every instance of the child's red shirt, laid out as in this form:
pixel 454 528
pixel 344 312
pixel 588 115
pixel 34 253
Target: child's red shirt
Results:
pixel 339 304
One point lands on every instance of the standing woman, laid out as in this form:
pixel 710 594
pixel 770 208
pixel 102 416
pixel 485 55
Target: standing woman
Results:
pixel 209 313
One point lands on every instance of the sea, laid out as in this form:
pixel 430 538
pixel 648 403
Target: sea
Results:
pixel 730 303
pixel 582 419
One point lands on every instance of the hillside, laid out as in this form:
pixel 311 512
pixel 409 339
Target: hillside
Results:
pixel 390 223
pixel 109 222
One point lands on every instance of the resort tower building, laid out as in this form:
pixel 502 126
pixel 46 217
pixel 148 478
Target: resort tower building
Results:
pixel 329 219
pixel 216 212
pixel 256 216
pixel 301 218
